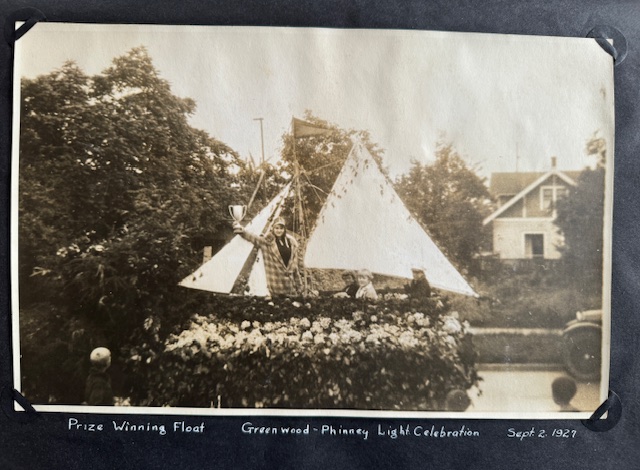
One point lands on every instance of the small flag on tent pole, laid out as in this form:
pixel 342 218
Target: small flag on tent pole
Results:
pixel 306 129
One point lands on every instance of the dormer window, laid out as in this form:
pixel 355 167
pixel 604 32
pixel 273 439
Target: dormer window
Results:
pixel 550 195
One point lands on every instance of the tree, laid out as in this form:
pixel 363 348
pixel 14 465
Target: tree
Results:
pixel 115 186
pixel 321 158
pixel 580 218
pixel 263 182
pixel 450 200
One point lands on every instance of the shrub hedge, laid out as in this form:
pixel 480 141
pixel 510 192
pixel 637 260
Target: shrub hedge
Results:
pixel 395 354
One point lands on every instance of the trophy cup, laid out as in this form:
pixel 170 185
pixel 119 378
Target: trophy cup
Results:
pixel 237 213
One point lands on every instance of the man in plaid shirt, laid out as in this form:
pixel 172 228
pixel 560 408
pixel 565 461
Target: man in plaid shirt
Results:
pixel 280 251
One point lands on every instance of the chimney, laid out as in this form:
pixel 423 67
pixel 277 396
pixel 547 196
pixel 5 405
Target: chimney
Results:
pixel 553 162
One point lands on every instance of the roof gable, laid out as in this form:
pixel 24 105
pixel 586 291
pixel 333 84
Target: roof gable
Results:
pixel 510 182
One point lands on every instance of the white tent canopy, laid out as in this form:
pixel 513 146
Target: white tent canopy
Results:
pixel 364 224
pixel 219 274
pixel 257 281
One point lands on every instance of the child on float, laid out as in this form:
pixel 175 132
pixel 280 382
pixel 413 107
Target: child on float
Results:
pixel 366 291
pixel 350 286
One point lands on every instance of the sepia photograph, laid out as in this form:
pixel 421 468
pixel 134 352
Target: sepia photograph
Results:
pixel 264 221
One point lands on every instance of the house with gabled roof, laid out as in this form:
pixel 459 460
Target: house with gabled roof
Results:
pixel 523 225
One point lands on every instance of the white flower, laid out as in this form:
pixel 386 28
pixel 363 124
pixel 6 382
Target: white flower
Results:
pixel 316 327
pixel 245 325
pixel 452 325
pixel 239 339
pixel 307 336
pixel 227 341
pixel 372 339
pixel 343 324
pixel 408 340
pixel 277 338
pixel 282 330
pixel 305 323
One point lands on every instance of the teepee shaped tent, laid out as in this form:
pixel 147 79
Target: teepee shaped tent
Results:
pixel 220 273
pixel 257 282
pixel 364 224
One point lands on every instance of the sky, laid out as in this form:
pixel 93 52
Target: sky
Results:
pixel 505 102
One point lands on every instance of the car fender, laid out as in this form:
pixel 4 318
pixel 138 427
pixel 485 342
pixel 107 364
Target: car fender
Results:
pixel 576 325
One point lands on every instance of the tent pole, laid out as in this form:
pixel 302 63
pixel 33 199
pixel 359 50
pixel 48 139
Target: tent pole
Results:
pixel 255 191
pixel 299 208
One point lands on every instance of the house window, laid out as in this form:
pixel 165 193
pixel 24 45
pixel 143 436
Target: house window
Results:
pixel 534 245
pixel 547 199
pixel 549 195
pixel 561 192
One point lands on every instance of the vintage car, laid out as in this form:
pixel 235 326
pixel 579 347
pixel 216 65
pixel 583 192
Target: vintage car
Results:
pixel 583 345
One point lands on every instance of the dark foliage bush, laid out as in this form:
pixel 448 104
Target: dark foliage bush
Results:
pixel 54 352
pixel 526 295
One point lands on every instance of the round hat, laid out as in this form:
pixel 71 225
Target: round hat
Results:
pixel 100 355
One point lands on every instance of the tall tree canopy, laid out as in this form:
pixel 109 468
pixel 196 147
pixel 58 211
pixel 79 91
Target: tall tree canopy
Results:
pixel 450 200
pixel 580 218
pixel 320 158
pixel 115 186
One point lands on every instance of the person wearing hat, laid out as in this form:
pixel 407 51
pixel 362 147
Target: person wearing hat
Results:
pixel 419 288
pixel 280 252
pixel 98 387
